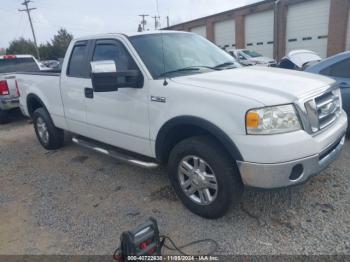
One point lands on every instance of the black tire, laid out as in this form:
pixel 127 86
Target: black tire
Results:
pixel 55 135
pixel 229 184
pixel 4 117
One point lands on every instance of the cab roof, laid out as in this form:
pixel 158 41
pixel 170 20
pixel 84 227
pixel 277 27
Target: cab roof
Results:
pixel 130 34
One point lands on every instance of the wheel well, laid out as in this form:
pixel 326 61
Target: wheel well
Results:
pixel 178 130
pixel 176 135
pixel 33 103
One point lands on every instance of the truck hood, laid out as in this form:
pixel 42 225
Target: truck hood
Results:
pixel 269 86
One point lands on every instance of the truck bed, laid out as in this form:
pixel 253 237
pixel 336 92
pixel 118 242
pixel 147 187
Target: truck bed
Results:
pixel 44 73
pixel 43 83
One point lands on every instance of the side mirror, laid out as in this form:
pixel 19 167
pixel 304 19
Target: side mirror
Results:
pixel 106 78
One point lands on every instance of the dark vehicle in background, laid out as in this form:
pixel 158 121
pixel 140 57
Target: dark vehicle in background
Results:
pixel 9 94
pixel 338 68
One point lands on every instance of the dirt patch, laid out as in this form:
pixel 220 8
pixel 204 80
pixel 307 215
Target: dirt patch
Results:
pixel 164 193
pixel 79 159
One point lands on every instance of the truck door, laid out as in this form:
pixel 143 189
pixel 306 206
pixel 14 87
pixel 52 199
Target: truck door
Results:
pixel 75 77
pixel 119 118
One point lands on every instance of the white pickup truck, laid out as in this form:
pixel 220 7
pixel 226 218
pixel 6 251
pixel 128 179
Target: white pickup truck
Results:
pixel 9 64
pixel 175 98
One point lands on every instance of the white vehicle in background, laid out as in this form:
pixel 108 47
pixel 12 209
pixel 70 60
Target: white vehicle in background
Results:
pixel 248 57
pixel 9 95
pixel 51 64
pixel 299 60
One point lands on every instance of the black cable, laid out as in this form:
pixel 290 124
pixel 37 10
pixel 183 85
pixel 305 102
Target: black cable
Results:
pixel 176 248
pixel 116 254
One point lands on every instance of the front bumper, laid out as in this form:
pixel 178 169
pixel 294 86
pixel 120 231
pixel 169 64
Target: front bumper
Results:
pixel 289 173
pixel 9 103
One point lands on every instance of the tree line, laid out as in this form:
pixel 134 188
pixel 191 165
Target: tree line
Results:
pixel 52 50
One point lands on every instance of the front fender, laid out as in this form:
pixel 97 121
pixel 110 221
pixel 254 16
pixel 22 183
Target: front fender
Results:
pixel 212 129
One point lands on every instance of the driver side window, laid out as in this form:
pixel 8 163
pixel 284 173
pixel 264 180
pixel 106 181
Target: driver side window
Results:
pixel 114 50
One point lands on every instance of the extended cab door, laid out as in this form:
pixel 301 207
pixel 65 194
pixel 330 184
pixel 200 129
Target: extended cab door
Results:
pixel 74 80
pixel 119 118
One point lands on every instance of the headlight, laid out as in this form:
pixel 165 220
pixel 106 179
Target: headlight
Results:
pixel 272 120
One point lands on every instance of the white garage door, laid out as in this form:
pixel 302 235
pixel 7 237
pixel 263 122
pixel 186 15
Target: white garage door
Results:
pixel 259 32
pixel 348 34
pixel 307 26
pixel 224 33
pixel 201 30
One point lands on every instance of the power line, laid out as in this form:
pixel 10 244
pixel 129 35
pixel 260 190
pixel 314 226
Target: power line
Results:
pixel 19 26
pixel 25 3
pixel 157 7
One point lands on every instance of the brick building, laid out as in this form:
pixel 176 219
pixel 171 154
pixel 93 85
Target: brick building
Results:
pixel 274 27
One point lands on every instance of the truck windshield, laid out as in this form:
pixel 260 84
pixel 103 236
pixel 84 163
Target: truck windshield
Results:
pixel 18 65
pixel 184 54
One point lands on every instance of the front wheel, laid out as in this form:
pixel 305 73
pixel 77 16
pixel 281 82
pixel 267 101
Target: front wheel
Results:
pixel 204 177
pixel 49 136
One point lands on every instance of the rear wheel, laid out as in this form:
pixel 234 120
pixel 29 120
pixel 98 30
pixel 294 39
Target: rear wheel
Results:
pixel 4 117
pixel 204 177
pixel 49 136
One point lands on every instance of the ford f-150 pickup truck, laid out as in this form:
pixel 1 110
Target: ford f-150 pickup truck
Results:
pixel 175 98
pixel 9 64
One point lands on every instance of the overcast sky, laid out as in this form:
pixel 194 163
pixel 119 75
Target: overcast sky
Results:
pixel 84 17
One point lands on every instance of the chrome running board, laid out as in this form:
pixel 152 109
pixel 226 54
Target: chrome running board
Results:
pixel 108 150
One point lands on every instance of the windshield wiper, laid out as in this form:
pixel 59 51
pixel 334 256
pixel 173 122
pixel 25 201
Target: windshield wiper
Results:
pixel 189 68
pixel 223 65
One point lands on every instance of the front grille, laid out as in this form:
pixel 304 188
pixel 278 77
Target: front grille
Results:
pixel 324 109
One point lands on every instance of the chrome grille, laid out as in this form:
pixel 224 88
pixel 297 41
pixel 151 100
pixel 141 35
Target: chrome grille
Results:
pixel 324 109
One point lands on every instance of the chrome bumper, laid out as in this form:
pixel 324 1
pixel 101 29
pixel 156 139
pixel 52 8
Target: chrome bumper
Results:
pixel 288 173
pixel 9 103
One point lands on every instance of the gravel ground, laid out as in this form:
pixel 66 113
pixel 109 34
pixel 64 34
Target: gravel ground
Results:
pixel 74 201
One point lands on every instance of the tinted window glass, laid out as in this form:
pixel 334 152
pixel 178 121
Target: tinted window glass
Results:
pixel 340 69
pixel 116 52
pixel 18 65
pixel 77 66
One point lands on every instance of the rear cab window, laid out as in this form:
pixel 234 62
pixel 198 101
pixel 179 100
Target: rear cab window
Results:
pixel 78 63
pixel 18 64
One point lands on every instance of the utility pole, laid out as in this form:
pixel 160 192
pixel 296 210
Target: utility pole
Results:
pixel 143 22
pixel 156 21
pixel 167 21
pixel 25 3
